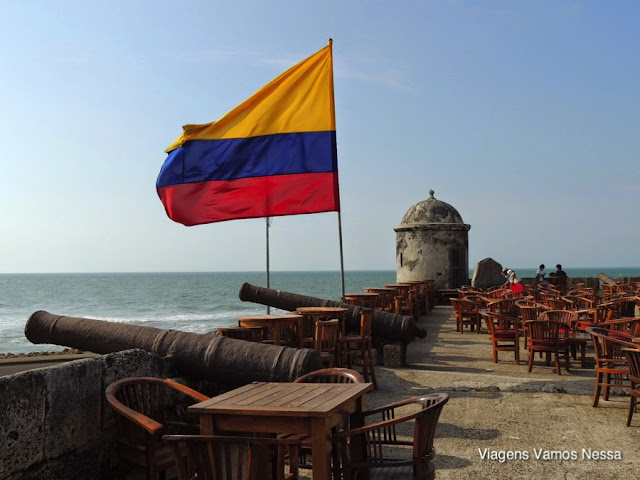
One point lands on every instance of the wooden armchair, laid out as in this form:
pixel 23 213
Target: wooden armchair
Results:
pixel 633 359
pixel 326 375
pixel 549 338
pixel 331 375
pixel 504 333
pixel 141 404
pixel 399 445
pixel 467 313
pixel 233 458
pixel 612 369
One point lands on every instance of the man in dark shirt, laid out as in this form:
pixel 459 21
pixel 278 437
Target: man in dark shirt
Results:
pixel 560 278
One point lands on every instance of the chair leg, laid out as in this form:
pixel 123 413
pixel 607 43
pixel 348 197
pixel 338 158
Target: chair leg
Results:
pixel 495 352
pixel 516 350
pixel 531 354
pixel 596 393
pixel 368 366
pixel 557 357
pixel 606 386
pixel 632 408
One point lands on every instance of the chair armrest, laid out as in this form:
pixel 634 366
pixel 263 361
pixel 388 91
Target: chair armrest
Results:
pixel 401 403
pixel 144 422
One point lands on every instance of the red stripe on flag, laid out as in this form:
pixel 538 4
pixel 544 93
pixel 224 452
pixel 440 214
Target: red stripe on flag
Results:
pixel 271 196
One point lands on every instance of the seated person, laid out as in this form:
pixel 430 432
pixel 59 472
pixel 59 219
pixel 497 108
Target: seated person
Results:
pixel 540 275
pixel 560 277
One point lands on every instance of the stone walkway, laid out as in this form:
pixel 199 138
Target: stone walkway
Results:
pixel 499 410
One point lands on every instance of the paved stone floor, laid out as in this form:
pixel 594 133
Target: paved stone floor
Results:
pixel 500 409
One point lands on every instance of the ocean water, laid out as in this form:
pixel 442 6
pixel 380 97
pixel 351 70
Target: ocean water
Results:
pixel 193 302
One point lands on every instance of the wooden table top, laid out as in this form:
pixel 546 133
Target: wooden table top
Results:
pixel 283 399
pixel 321 310
pixel 361 294
pixel 286 316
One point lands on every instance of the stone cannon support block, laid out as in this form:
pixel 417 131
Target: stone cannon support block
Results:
pixel 74 397
pixel 22 413
pixel 395 355
pixel 52 420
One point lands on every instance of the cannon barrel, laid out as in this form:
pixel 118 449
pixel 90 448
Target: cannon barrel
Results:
pixel 220 359
pixel 385 325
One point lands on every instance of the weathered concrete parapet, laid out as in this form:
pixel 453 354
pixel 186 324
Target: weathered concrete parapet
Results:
pixel 54 422
pixel 432 242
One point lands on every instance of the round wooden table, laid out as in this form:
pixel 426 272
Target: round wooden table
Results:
pixel 314 314
pixel 363 299
pixel 277 322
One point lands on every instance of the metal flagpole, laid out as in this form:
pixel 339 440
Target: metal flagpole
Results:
pixel 268 284
pixel 341 252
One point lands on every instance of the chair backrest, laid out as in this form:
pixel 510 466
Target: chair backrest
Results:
pixel 233 458
pixel 530 312
pixel 497 323
pixel 464 305
pixel 563 316
pixel 504 306
pixel 545 332
pixel 250 334
pixel 331 375
pixel 366 322
pixel 424 420
pixel 609 344
pixel 326 336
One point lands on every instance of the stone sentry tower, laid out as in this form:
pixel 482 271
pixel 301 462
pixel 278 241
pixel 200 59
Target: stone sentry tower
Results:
pixel 433 242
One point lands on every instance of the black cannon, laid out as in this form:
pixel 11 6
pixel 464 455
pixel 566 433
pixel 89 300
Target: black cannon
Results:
pixel 388 326
pixel 220 359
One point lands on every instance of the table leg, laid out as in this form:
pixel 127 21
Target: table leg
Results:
pixel 276 333
pixel 321 449
pixel 206 425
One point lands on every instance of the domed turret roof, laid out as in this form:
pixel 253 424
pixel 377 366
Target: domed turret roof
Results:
pixel 431 211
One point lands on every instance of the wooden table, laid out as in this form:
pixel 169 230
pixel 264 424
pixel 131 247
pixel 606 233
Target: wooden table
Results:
pixel 579 339
pixel 387 297
pixel 267 407
pixel 277 322
pixel 364 299
pixel 313 314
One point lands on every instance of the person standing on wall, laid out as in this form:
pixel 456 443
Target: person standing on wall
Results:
pixel 513 281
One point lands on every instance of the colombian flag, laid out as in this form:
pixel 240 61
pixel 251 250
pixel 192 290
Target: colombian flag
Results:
pixel 275 154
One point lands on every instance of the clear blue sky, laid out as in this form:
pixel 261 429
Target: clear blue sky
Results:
pixel 525 116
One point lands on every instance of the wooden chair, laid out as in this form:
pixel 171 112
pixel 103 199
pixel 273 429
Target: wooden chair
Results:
pixel 384 445
pixel 361 344
pixel 142 405
pixel 249 334
pixel 326 341
pixel 504 306
pixel 326 375
pixel 331 375
pixel 205 457
pixel 563 316
pixel 549 338
pixel 633 359
pixel 612 369
pixel 466 313
pixel 504 333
